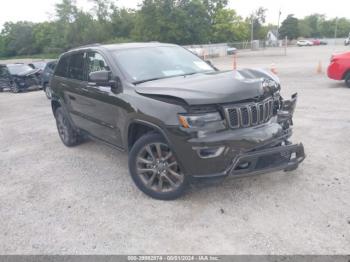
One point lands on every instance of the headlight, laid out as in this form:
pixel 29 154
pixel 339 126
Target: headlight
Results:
pixel 196 121
pixel 271 84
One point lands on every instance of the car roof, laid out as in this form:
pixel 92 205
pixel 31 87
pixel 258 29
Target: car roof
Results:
pixel 113 47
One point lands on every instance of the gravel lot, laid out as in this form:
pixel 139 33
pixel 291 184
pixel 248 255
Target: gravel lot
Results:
pixel 55 200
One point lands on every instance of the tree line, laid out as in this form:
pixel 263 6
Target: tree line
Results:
pixel 314 26
pixel 182 22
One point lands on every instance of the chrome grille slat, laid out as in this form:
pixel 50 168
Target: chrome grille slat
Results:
pixel 250 114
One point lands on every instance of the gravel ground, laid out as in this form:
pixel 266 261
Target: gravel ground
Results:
pixel 55 200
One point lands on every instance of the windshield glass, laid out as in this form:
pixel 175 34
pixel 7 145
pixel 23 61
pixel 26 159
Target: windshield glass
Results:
pixel 150 63
pixel 18 69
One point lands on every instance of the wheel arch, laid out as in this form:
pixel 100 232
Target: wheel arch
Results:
pixel 347 72
pixel 138 128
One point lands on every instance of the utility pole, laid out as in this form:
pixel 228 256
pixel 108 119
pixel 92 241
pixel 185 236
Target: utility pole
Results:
pixel 278 24
pixel 252 32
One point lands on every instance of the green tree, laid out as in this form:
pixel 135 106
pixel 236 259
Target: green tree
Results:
pixel 290 27
pixel 228 27
pixel 258 18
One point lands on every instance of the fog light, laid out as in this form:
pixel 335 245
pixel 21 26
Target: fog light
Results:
pixel 209 152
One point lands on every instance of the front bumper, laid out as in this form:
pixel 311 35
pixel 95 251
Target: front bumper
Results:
pixel 245 151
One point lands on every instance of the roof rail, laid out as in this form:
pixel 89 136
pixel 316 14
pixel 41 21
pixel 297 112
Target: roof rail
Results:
pixel 85 46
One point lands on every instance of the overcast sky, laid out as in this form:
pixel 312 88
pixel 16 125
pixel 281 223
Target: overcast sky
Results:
pixel 41 10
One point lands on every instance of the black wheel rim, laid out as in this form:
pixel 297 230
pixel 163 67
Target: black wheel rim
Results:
pixel 158 169
pixel 62 127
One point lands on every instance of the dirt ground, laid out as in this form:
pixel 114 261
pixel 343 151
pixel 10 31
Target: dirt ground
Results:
pixel 55 200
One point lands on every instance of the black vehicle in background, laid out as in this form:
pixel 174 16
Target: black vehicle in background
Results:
pixel 177 116
pixel 46 77
pixel 19 77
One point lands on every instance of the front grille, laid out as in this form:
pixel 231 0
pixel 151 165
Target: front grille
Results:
pixel 250 114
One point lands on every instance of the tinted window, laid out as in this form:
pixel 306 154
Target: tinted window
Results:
pixel 76 67
pixel 62 67
pixel 95 62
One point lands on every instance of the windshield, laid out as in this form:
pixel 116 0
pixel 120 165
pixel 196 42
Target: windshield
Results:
pixel 18 69
pixel 150 63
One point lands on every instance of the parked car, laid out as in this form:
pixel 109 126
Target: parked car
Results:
pixel 316 42
pixel 319 42
pixel 347 41
pixel 19 77
pixel 304 43
pixel 231 50
pixel 339 68
pixel 176 116
pixel 46 77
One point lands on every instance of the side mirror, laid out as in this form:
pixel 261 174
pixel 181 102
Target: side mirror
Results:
pixel 100 77
pixel 116 85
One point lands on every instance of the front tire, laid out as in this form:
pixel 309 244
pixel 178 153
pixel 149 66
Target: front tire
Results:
pixel 15 88
pixel 155 169
pixel 68 134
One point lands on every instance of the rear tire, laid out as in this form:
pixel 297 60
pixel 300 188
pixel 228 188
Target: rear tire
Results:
pixel 68 134
pixel 347 80
pixel 48 92
pixel 155 169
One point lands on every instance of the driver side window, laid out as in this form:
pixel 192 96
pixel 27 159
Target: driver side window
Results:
pixel 95 63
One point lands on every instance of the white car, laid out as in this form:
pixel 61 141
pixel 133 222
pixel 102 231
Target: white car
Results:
pixel 304 43
pixel 347 41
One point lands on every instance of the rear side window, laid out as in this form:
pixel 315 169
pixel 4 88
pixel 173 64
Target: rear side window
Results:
pixel 76 67
pixel 62 67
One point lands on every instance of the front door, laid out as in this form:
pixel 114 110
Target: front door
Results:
pixel 100 104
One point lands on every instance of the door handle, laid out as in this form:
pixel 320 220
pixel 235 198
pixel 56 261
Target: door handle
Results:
pixel 63 85
pixel 72 97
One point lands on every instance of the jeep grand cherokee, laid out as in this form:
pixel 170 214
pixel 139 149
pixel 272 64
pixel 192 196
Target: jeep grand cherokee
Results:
pixel 177 116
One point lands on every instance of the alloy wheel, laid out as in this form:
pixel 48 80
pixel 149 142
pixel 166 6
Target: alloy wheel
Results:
pixel 158 169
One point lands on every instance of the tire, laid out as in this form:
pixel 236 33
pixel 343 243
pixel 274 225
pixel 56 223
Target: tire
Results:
pixel 1 90
pixel 47 90
pixel 158 176
pixel 347 80
pixel 15 88
pixel 69 135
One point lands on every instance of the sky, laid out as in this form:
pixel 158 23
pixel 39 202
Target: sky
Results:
pixel 42 10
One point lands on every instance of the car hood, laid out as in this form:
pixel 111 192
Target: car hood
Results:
pixel 213 88
pixel 28 73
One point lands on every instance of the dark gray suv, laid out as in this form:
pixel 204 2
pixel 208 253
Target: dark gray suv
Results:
pixel 177 116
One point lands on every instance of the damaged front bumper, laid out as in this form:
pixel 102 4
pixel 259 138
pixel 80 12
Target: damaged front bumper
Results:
pixel 246 151
pixel 286 158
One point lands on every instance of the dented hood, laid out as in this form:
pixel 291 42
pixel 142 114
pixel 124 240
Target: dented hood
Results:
pixel 213 88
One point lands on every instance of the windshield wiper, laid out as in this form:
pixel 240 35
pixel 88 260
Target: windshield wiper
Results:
pixel 148 80
pixel 164 77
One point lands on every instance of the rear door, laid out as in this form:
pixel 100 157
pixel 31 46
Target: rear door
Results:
pixel 71 80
